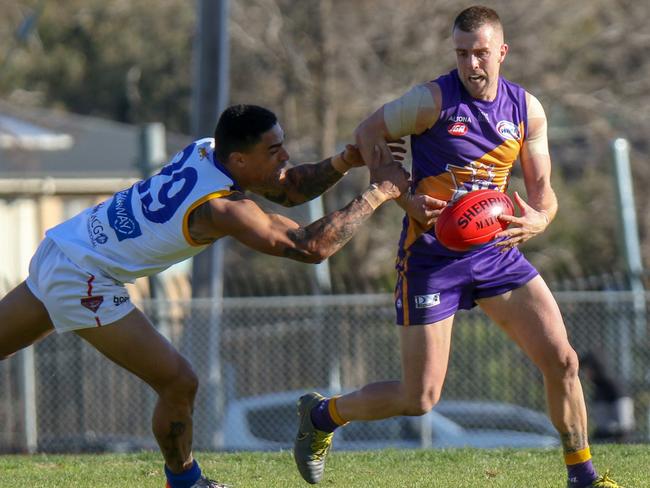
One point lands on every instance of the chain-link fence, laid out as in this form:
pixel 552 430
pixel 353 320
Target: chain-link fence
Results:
pixel 255 355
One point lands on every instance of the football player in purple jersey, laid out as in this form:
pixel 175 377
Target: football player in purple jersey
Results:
pixel 467 129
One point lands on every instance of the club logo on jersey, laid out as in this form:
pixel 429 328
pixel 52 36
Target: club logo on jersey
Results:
pixel 427 301
pixel 458 129
pixel 121 218
pixel 471 177
pixel 92 303
pixel 508 130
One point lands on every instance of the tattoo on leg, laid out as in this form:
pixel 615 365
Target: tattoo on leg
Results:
pixel 573 441
pixel 172 448
pixel 176 429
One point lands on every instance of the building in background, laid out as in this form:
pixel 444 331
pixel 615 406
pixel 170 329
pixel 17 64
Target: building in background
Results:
pixel 53 164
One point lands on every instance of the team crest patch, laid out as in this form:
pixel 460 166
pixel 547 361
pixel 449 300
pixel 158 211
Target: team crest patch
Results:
pixel 92 303
pixel 508 130
pixel 427 301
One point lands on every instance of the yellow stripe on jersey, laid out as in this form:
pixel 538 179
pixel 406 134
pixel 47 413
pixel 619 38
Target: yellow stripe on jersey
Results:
pixel 200 201
pixel 415 229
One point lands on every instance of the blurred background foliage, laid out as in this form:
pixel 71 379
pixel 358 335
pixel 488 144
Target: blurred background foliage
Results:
pixel 323 65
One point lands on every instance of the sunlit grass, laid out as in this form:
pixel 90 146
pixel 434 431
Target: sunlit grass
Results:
pixel 461 468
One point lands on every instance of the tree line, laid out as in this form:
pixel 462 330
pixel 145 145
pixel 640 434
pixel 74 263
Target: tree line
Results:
pixel 323 65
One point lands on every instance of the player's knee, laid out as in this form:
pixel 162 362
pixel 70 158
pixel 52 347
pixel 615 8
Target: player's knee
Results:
pixel 188 383
pixel 422 404
pixel 182 387
pixel 563 365
pixel 570 363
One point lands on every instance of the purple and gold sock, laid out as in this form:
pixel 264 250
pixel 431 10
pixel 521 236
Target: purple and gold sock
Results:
pixel 325 417
pixel 580 469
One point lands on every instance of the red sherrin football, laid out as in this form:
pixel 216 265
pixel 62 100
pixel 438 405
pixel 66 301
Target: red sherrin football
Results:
pixel 472 219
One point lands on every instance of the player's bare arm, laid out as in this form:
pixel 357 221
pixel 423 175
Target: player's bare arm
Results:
pixel 239 217
pixel 413 113
pixel 539 211
pixel 299 184
pixel 321 239
pixel 328 234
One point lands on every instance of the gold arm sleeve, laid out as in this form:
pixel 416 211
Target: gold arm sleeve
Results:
pixel 537 140
pixel 401 115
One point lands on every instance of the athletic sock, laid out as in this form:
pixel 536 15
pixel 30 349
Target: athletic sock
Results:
pixel 580 469
pixel 325 417
pixel 185 479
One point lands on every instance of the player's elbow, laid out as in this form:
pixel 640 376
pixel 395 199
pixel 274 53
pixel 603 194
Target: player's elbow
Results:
pixel 312 244
pixel 309 254
pixel 360 132
pixel 367 130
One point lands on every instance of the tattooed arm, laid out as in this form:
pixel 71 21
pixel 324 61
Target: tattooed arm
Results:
pixel 304 182
pixel 319 240
pixel 277 235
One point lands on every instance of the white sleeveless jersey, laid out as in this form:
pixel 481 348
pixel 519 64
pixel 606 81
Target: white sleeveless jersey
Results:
pixel 143 229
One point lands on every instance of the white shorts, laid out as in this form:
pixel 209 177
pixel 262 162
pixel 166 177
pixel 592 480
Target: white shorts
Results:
pixel 74 298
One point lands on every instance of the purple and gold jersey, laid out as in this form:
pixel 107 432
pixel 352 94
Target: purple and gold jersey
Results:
pixel 473 145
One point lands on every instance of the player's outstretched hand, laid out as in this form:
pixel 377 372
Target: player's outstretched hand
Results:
pixel 530 223
pixel 424 209
pixel 352 156
pixel 389 175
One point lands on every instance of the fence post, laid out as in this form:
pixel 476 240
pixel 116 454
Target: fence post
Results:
pixel 210 97
pixel 29 392
pixel 632 249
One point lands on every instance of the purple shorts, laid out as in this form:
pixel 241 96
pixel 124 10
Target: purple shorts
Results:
pixel 432 287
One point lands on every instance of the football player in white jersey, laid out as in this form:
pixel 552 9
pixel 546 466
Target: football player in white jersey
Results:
pixel 193 201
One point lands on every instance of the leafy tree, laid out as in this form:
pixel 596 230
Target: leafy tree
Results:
pixel 323 65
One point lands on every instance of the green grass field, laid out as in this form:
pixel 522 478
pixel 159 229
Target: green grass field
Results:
pixel 463 468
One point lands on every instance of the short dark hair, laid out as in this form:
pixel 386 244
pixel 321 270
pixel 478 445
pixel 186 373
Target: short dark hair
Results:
pixel 240 127
pixel 473 18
